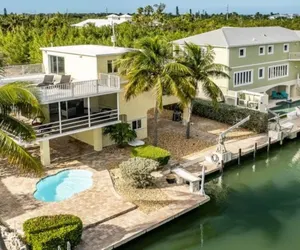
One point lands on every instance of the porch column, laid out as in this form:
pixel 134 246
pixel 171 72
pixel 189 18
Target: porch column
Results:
pixel 118 105
pixel 97 134
pixel 89 110
pixel 59 117
pixel 288 90
pixel 45 152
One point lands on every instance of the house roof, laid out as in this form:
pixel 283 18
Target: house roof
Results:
pixel 113 15
pixel 125 15
pixel 234 37
pixel 88 50
pixel 98 22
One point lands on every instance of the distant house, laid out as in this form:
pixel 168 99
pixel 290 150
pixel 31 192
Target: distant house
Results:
pixel 288 16
pixel 262 60
pixel 111 19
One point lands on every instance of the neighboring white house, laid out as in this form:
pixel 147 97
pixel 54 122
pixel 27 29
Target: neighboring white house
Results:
pixel 111 19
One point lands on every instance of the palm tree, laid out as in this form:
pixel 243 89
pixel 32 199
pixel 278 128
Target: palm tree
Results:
pixel 203 70
pixel 17 97
pixel 151 68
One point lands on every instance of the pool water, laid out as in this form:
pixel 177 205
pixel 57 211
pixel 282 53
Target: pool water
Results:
pixel 285 107
pixel 63 185
pixel 255 207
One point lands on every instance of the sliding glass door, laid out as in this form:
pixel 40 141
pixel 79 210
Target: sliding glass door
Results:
pixel 57 65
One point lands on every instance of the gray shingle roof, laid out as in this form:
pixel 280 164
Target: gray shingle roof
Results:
pixel 234 37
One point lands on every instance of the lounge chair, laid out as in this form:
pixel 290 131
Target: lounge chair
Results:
pixel 279 95
pixel 65 82
pixel 284 95
pixel 48 80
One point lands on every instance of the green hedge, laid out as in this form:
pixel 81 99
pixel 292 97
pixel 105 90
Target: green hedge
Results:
pixel 231 115
pixel 150 152
pixel 49 232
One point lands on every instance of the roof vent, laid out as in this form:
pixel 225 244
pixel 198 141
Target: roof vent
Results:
pixel 265 35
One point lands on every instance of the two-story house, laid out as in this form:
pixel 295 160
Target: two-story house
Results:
pixel 91 100
pixel 261 59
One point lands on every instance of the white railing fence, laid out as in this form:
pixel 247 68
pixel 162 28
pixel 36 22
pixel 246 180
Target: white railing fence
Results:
pixel 20 70
pixel 78 89
pixel 69 125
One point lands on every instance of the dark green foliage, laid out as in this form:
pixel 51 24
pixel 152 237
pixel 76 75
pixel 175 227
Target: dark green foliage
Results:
pixel 160 155
pixel 30 32
pixel 120 133
pixel 231 115
pixel 49 232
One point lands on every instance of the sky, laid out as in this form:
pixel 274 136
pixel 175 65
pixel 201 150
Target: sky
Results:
pixel 129 6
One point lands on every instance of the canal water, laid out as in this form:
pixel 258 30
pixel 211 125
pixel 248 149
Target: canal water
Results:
pixel 255 206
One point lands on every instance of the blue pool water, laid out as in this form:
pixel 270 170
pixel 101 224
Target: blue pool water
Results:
pixel 63 185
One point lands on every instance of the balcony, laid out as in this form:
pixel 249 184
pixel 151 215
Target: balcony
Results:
pixel 78 89
pixel 294 56
pixel 76 125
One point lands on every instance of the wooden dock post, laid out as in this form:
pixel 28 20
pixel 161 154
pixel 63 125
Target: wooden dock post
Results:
pixel 255 149
pixel 222 166
pixel 269 144
pixel 240 156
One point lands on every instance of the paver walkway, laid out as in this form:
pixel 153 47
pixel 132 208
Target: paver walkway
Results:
pixel 98 204
pixel 122 229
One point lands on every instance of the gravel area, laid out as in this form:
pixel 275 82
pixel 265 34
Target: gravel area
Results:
pixel 148 200
pixel 204 133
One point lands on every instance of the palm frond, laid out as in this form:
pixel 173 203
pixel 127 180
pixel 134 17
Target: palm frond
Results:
pixel 17 155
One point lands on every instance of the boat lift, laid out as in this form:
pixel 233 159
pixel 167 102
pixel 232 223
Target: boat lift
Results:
pixel 221 153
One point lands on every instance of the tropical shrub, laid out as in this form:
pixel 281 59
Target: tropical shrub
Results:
pixel 120 133
pixel 160 155
pixel 137 171
pixel 231 115
pixel 49 232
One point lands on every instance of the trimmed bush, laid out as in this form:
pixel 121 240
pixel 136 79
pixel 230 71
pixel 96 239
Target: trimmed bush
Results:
pixel 150 152
pixel 137 171
pixel 231 115
pixel 49 232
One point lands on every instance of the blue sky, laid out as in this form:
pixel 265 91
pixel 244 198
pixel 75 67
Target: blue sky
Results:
pixel 241 6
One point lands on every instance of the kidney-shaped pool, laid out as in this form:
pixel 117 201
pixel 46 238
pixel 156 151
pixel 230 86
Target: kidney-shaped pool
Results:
pixel 63 185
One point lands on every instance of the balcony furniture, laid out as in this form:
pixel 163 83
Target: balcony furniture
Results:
pixel 65 82
pixel 48 80
pixel 70 112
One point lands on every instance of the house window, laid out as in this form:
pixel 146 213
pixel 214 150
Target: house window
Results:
pixel 57 65
pixel 278 71
pixel 271 49
pixel 261 73
pixel 286 48
pixel 242 52
pixel 243 78
pixel 111 68
pixel 261 50
pixel 136 124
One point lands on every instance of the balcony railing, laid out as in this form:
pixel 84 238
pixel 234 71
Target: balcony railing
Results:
pixel 294 56
pixel 67 91
pixel 70 126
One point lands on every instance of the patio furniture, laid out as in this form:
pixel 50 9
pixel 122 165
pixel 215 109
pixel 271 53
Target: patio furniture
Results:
pixel 279 95
pixel 48 80
pixel 65 82
pixel 136 143
pixel 71 112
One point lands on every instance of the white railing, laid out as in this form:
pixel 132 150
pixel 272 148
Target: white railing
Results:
pixel 20 70
pixel 78 123
pixel 60 92
pixel 294 56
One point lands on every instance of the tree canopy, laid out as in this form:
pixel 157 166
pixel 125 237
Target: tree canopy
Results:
pixel 22 35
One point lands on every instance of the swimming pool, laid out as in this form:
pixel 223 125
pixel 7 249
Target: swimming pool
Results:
pixel 63 185
pixel 285 107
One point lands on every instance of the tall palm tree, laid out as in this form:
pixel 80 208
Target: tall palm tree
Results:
pixel 17 97
pixel 151 68
pixel 203 70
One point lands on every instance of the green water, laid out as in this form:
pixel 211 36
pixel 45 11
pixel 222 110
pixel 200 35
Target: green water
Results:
pixel 285 107
pixel 257 207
